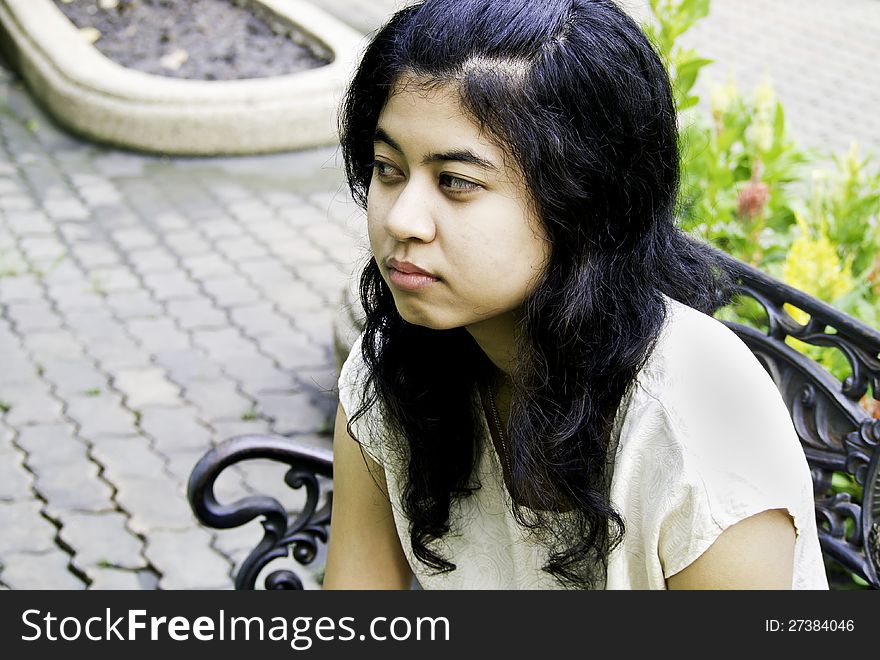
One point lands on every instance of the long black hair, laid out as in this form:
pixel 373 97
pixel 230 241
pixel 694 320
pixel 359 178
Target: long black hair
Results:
pixel 574 92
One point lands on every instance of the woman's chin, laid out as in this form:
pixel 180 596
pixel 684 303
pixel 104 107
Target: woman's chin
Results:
pixel 425 318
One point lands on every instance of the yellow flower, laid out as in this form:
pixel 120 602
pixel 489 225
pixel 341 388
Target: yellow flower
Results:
pixel 721 96
pixel 813 266
pixel 765 98
pixel 760 133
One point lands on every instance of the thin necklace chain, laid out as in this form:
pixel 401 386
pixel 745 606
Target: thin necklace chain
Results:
pixel 498 427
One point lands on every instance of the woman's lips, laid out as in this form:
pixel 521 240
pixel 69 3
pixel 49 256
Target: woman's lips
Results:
pixel 407 276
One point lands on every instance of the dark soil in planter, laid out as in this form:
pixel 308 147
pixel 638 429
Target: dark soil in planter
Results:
pixel 195 39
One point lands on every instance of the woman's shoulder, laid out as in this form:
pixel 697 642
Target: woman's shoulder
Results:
pixel 696 353
pixel 713 392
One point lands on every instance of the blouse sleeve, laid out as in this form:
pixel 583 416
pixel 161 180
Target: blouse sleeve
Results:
pixel 352 394
pixel 726 448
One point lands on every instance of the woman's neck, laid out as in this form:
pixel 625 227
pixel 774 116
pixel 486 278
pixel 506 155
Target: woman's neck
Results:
pixel 496 337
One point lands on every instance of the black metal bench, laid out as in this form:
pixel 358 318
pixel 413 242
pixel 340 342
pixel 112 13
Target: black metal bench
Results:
pixel 838 436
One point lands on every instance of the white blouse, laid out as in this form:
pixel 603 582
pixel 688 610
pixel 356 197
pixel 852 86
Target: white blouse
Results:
pixel 704 441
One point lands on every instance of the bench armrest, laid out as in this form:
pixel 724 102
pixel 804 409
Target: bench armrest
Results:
pixel 283 533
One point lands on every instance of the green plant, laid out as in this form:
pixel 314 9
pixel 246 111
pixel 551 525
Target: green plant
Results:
pixel 750 190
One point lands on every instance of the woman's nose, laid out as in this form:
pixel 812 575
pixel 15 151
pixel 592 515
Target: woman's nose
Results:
pixel 411 215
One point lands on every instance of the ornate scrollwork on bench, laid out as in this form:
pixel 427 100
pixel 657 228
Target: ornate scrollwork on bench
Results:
pixel 836 432
pixel 284 534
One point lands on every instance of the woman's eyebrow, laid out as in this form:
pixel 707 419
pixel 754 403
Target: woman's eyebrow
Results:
pixel 454 155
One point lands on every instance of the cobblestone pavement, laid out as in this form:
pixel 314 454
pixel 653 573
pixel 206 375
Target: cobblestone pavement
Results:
pixel 151 307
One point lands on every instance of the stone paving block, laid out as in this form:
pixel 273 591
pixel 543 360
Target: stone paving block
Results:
pixel 224 429
pixel 51 445
pixel 187 243
pixel 306 215
pixel 170 221
pixel 292 413
pixel 258 319
pixel 92 324
pixel 154 504
pixel 74 232
pixel 113 280
pixel 197 313
pixel 77 376
pixel 15 481
pixel 152 260
pixel 186 560
pixel 146 387
pixel 17 369
pixel 78 295
pixel 29 223
pixel 250 210
pixel 29 404
pixel 12 264
pixel 119 351
pixel 322 380
pixel 219 227
pixel 133 304
pixel 6 436
pixel 73 487
pixel 218 399
pixel 134 238
pixel 95 254
pixel 45 571
pixel 101 415
pixel 42 248
pixel 294 297
pixel 24 528
pixel 12 203
pixel 115 216
pixel 181 463
pixel 223 343
pixel 298 250
pixel 257 373
pixel 175 428
pixel 98 196
pixel 266 271
pixel 202 266
pixel 228 191
pixel 231 290
pixel 130 456
pixel 292 350
pixel 241 248
pixel 189 365
pixel 68 208
pixel 101 540
pixel 158 334
pixel 114 164
pixel 326 279
pixel 112 579
pixel 171 285
pixel 53 344
pixel 32 315
pixel 270 231
pixel 10 186
pixel 23 287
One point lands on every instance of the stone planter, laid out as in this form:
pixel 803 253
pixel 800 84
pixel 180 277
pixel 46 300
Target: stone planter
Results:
pixel 103 101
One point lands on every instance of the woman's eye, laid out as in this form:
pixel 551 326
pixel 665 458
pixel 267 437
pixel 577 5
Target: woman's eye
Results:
pixel 383 170
pixel 454 184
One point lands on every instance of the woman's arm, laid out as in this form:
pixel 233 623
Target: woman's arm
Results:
pixel 755 553
pixel 364 550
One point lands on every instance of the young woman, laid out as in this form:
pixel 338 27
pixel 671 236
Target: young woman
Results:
pixel 539 398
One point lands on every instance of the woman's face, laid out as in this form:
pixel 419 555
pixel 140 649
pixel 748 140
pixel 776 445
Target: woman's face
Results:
pixel 449 218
